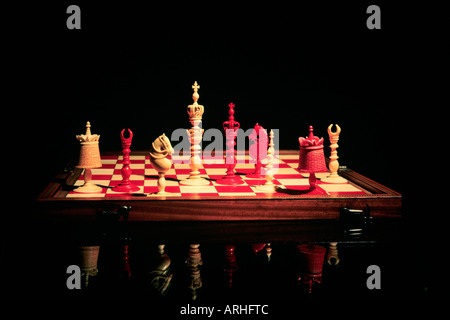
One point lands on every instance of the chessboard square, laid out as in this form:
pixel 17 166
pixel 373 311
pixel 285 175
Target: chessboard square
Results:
pixel 289 157
pixel 244 166
pixel 237 194
pixel 292 164
pixel 177 159
pixel 172 182
pixel 216 171
pixel 233 189
pixel 294 182
pixel 150 172
pixel 137 158
pixel 85 195
pixel 213 160
pixel 102 171
pixel 173 190
pixel 339 187
pixel 183 166
pixel 290 171
pixel 198 189
pixel 133 166
pixel 100 183
pixel 213 166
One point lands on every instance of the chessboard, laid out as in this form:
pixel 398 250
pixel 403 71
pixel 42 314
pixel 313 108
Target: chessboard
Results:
pixel 290 199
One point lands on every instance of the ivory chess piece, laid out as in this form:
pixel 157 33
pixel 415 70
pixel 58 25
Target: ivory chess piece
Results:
pixel 195 112
pixel 89 159
pixel 160 150
pixel 126 185
pixel 334 164
pixel 269 186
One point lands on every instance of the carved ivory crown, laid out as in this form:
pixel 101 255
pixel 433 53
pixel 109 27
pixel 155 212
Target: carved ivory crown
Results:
pixel 195 110
pixel 88 137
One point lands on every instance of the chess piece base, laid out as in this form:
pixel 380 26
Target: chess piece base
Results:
pixel 267 187
pixel 255 176
pixel 88 188
pixel 160 194
pixel 195 182
pixel 125 188
pixel 230 180
pixel 334 179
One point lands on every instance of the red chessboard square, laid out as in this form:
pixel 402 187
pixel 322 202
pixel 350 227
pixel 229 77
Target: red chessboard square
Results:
pixel 243 188
pixel 114 183
pixel 154 189
pixel 133 171
pixel 207 194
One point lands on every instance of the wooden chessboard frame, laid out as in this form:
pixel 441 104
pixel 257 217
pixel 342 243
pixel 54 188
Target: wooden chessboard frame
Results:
pixel 382 201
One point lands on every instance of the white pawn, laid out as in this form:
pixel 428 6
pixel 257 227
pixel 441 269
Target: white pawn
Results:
pixel 334 164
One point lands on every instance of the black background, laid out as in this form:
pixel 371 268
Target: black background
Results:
pixel 284 66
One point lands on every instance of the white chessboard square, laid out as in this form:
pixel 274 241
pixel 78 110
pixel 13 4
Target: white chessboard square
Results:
pixel 132 177
pixel 102 171
pixel 288 156
pixel 285 171
pixel 339 187
pixel 197 189
pixel 236 194
pixel 85 195
pixel 216 160
pixel 154 183
pixel 216 171
pixel 294 182
pixel 109 161
pixel 153 172
pixel 245 166
pixel 101 183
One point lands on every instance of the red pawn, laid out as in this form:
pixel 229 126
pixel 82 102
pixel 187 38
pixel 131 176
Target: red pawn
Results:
pixel 126 185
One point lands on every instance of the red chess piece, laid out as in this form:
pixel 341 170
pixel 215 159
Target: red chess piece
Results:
pixel 311 157
pixel 258 150
pixel 126 185
pixel 231 127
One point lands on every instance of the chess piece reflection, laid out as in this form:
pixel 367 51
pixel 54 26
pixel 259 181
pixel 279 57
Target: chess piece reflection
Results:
pixel 311 157
pixel 193 261
pixel 89 261
pixel 161 276
pixel 89 159
pixel 333 256
pixel 160 150
pixel 312 258
pixel 230 264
